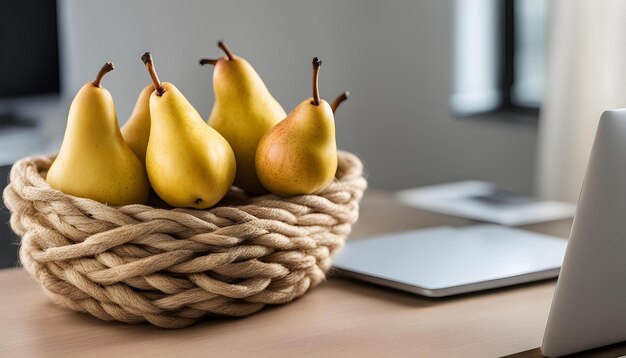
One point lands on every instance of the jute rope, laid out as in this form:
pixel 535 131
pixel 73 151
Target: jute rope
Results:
pixel 137 263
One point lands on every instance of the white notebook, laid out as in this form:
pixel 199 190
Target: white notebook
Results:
pixel 483 201
pixel 445 261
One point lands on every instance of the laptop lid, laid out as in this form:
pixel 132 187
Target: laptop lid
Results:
pixel 447 261
pixel 589 305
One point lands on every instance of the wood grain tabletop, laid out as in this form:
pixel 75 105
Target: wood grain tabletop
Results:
pixel 339 318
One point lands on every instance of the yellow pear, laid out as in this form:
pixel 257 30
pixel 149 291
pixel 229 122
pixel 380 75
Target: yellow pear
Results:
pixel 94 160
pixel 189 163
pixel 136 131
pixel 243 112
pixel 299 155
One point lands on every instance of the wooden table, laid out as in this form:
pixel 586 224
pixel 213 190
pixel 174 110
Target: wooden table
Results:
pixel 339 318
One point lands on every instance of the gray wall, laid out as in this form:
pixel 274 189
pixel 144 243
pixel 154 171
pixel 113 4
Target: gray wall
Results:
pixel 394 56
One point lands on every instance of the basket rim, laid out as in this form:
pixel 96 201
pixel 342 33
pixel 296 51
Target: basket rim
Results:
pixel 350 170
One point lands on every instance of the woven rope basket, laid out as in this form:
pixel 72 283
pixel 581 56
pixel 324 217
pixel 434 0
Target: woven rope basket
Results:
pixel 137 263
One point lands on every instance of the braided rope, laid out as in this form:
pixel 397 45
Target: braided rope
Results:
pixel 137 263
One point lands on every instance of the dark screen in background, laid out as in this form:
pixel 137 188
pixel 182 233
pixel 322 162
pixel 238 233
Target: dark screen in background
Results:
pixel 29 55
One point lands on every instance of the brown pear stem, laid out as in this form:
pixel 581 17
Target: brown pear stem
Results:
pixel 344 96
pixel 147 60
pixel 108 67
pixel 208 61
pixel 317 63
pixel 224 47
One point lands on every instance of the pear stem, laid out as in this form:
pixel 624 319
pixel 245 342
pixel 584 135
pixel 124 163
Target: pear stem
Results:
pixel 108 67
pixel 317 63
pixel 344 96
pixel 208 61
pixel 224 47
pixel 147 60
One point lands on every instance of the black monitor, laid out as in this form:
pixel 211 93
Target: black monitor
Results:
pixel 29 49
pixel 29 70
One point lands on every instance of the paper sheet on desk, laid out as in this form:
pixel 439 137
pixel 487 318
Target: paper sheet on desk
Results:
pixel 482 201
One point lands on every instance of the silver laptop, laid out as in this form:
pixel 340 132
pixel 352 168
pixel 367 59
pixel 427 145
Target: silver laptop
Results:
pixel 589 305
pixel 446 261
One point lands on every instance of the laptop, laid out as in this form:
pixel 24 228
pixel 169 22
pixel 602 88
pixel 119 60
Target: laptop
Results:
pixel 589 305
pixel 445 261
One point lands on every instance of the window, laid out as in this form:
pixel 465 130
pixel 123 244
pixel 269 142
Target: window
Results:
pixel 499 55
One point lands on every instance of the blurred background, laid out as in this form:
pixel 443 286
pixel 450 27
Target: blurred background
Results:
pixel 507 91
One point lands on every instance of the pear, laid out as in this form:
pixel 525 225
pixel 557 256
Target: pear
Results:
pixel 189 163
pixel 136 131
pixel 94 160
pixel 243 112
pixel 299 155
